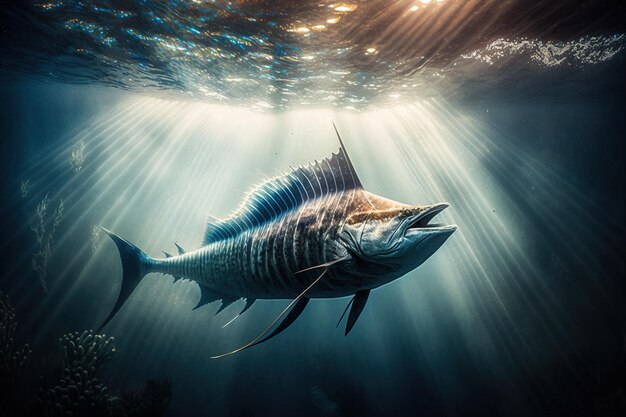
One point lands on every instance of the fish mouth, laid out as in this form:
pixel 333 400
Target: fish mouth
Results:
pixel 421 223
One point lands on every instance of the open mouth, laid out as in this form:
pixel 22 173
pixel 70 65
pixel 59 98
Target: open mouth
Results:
pixel 422 222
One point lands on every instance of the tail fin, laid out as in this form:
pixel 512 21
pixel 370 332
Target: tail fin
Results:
pixel 135 264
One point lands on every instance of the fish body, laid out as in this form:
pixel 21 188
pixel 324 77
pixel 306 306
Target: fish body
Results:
pixel 312 233
pixel 262 261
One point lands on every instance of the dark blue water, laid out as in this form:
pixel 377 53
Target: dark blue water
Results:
pixel 145 117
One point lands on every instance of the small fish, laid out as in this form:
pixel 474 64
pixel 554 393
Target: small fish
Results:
pixel 311 233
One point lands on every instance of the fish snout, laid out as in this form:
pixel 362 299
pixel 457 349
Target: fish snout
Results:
pixel 420 222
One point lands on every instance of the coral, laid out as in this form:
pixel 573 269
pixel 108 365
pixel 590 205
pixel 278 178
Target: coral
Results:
pixel 77 158
pixel 44 228
pixel 13 359
pixel 72 386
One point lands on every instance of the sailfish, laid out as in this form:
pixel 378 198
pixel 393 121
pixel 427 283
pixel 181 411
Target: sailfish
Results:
pixel 313 232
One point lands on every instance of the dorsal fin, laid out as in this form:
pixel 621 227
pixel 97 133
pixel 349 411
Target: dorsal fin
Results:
pixel 213 232
pixel 284 193
pixel 342 150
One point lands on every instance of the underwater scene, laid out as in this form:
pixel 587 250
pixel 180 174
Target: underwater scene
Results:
pixel 313 208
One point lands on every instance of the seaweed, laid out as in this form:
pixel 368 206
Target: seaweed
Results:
pixel 77 157
pixel 44 227
pixel 24 188
pixel 13 358
pixel 93 238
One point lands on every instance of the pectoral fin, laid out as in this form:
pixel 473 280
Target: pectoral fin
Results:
pixel 359 300
pixel 293 314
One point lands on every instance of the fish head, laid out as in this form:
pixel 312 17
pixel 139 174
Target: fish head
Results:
pixel 392 238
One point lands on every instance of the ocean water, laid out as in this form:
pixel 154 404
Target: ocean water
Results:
pixel 148 117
